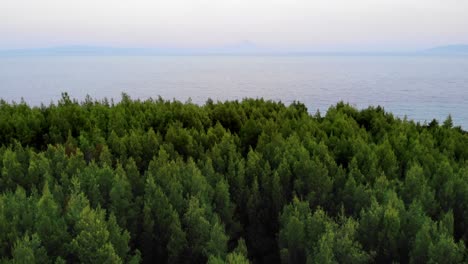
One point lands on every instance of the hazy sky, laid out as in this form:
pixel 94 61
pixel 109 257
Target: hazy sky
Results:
pixel 316 25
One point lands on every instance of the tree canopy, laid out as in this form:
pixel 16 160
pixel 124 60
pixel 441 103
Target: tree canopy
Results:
pixel 251 181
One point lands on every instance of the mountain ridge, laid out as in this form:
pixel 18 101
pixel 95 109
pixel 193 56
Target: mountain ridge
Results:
pixel 456 48
pixel 242 48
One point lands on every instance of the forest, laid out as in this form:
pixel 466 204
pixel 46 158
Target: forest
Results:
pixel 250 181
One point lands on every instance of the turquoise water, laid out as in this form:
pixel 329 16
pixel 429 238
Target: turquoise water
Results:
pixel 421 87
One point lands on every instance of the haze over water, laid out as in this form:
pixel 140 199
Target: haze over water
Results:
pixel 421 87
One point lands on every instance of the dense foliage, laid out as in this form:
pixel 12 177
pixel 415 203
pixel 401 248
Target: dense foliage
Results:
pixel 233 182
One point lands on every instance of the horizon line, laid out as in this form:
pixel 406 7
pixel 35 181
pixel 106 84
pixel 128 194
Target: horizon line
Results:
pixel 86 49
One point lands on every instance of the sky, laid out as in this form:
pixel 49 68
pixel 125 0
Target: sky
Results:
pixel 294 25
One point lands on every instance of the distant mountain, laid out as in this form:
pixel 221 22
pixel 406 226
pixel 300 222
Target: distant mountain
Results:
pixel 450 49
pixel 244 47
pixel 83 51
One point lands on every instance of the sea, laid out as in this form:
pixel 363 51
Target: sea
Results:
pixel 419 87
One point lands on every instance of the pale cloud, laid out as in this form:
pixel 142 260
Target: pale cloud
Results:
pixel 288 24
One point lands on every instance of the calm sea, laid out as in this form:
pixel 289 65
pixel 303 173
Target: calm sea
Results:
pixel 420 87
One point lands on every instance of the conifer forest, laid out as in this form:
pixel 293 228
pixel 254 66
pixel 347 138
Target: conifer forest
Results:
pixel 250 181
